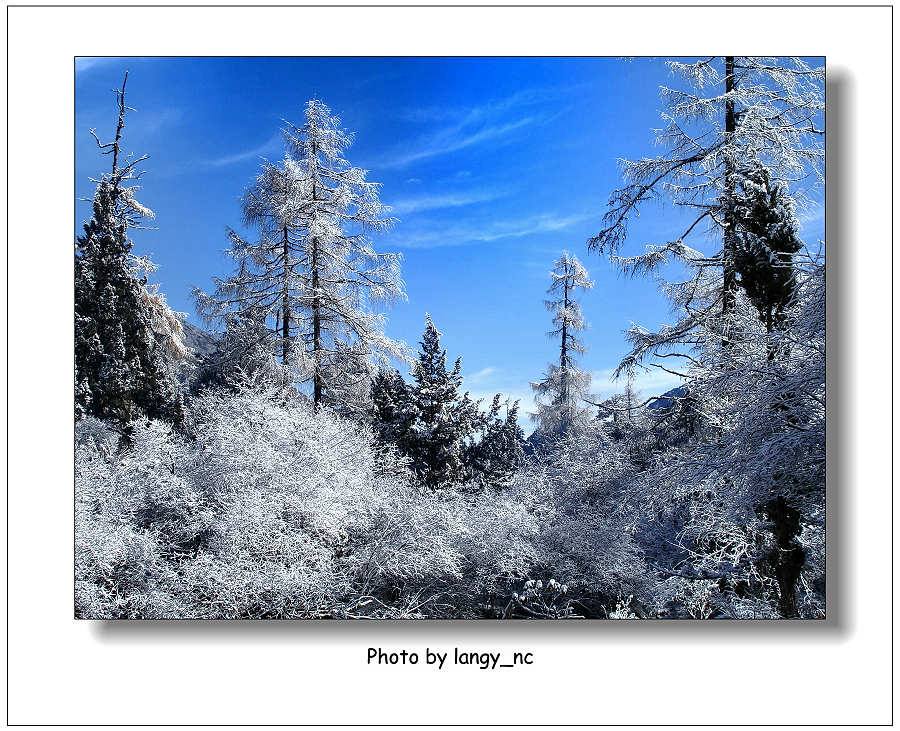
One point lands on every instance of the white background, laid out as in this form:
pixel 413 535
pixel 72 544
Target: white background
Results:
pixel 63 671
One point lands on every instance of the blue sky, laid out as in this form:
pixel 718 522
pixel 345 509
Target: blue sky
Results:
pixel 493 166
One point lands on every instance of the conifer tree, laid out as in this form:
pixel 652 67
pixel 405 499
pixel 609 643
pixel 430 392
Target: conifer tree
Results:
pixel 498 451
pixel 767 243
pixel 444 418
pixel 564 386
pixel 313 271
pixel 124 331
pixel 446 437
pixel 393 410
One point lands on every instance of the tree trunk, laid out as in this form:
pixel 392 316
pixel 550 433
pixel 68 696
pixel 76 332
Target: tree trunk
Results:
pixel 787 557
pixel 729 249
pixel 317 327
pixel 286 307
pixel 119 126
pixel 316 302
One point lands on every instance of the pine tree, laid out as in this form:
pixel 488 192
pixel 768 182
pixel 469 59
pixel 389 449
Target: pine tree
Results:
pixel 312 271
pixel 767 243
pixel 393 410
pixel 446 437
pixel 564 386
pixel 498 450
pixel 444 418
pixel 124 331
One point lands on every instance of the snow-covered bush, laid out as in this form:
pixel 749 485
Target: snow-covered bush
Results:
pixel 269 508
pixel 585 525
pixel 125 564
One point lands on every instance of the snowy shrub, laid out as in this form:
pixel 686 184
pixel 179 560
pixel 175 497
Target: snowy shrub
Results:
pixel 268 508
pixel 535 600
pixel 584 537
pixel 121 570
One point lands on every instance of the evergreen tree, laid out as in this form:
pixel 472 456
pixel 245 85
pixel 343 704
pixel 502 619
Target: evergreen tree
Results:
pixel 444 419
pixel 445 436
pixel 767 243
pixel 564 386
pixel 498 450
pixel 737 112
pixel 393 410
pixel 124 331
pixel 312 271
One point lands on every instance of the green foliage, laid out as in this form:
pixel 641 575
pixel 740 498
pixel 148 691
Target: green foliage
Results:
pixel 121 369
pixel 446 437
pixel 767 243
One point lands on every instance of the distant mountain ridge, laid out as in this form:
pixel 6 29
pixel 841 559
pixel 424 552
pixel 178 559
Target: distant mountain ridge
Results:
pixel 667 400
pixel 198 341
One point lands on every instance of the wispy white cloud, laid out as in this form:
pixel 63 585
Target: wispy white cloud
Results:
pixel 414 181
pixel 488 109
pixel 273 144
pixel 452 139
pixel 86 63
pixel 479 376
pixel 443 200
pixel 153 122
pixel 493 230
pixel 459 128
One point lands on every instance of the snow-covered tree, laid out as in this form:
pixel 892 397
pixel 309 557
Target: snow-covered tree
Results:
pixel 312 270
pixel 125 333
pixel 393 409
pixel 497 451
pixel 444 418
pixel 563 388
pixel 444 434
pixel 767 242
pixel 270 508
pixel 242 355
pixel 736 114
pixel 348 373
pixel 743 147
pixel 749 493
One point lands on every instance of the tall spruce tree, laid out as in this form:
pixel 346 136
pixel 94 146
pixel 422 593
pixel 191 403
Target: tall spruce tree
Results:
pixel 562 390
pixel 313 271
pixel 445 419
pixel 124 331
